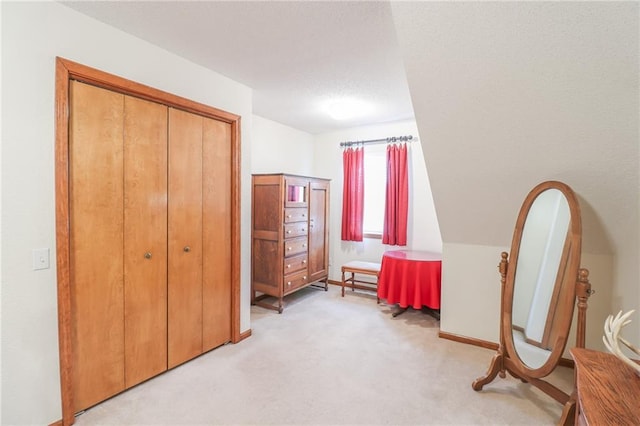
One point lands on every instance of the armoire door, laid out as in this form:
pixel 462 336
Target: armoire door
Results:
pixel 185 237
pixel 318 230
pixel 145 242
pixel 96 242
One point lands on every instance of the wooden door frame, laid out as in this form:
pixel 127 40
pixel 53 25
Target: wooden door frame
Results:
pixel 67 70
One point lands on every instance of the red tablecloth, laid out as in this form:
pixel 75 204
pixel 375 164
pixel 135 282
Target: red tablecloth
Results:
pixel 410 278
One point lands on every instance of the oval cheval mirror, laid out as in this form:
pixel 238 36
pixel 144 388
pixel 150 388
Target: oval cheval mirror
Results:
pixel 541 280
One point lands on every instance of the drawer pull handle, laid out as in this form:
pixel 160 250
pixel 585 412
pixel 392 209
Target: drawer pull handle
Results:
pixel 147 255
pixel 289 231
pixel 288 266
pixel 303 229
pixel 304 245
pixel 288 216
pixel 304 277
pixel 289 248
pixel 187 249
pixel 304 262
pixel 289 283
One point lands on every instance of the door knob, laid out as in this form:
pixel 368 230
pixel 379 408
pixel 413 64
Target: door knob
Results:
pixel 187 249
pixel 147 255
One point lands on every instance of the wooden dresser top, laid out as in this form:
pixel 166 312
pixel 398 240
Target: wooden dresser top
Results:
pixel 608 389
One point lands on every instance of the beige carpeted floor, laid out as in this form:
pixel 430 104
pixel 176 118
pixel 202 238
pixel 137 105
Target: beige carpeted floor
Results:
pixel 329 360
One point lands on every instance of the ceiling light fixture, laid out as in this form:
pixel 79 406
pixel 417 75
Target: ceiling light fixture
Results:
pixel 345 109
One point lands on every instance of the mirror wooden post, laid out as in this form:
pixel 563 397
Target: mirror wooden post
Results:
pixel 497 362
pixel 540 284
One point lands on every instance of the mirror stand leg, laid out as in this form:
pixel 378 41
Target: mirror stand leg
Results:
pixel 496 366
pixel 568 416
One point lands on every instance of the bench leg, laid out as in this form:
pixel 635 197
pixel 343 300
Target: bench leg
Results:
pixel 343 283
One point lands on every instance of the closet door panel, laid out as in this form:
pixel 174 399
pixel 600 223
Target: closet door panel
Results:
pixel 96 243
pixel 185 237
pixel 145 246
pixel 216 163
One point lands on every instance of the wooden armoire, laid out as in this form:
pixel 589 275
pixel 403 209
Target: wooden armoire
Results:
pixel 147 233
pixel 290 236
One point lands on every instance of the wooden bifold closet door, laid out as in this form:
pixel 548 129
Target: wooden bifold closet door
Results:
pixel 185 236
pixel 145 239
pixel 96 196
pixel 150 239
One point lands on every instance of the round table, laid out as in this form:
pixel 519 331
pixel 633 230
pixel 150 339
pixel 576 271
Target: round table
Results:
pixel 410 278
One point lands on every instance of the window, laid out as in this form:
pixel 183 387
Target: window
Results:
pixel 373 207
pixel 375 180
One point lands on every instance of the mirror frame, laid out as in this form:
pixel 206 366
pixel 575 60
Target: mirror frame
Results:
pixel 576 289
pixel 570 263
pixel 295 181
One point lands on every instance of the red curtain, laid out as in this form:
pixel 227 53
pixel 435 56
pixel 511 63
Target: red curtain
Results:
pixel 352 194
pixel 397 198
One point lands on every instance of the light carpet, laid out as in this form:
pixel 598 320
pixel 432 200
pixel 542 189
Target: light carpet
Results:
pixel 328 360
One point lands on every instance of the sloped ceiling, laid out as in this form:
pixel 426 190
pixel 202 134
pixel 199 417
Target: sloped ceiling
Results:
pixel 297 56
pixel 510 94
pixel 506 94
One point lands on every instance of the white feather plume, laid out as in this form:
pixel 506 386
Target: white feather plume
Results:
pixel 612 338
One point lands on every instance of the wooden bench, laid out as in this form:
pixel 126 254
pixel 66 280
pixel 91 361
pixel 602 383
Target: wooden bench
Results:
pixel 358 267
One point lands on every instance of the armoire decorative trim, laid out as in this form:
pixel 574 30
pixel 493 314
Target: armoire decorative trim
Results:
pixel 67 70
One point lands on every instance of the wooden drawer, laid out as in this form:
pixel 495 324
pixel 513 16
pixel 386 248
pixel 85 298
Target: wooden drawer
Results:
pixel 295 215
pixel 295 246
pixel 294 281
pixel 298 229
pixel 295 264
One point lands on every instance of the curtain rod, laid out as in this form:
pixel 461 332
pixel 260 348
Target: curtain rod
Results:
pixel 374 141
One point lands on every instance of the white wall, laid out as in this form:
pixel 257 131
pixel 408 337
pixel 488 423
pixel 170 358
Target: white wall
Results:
pixel 510 94
pixel 423 232
pixel 471 293
pixel 33 34
pixel 276 148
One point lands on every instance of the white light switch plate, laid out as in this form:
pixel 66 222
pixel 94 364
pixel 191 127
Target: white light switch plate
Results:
pixel 40 259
